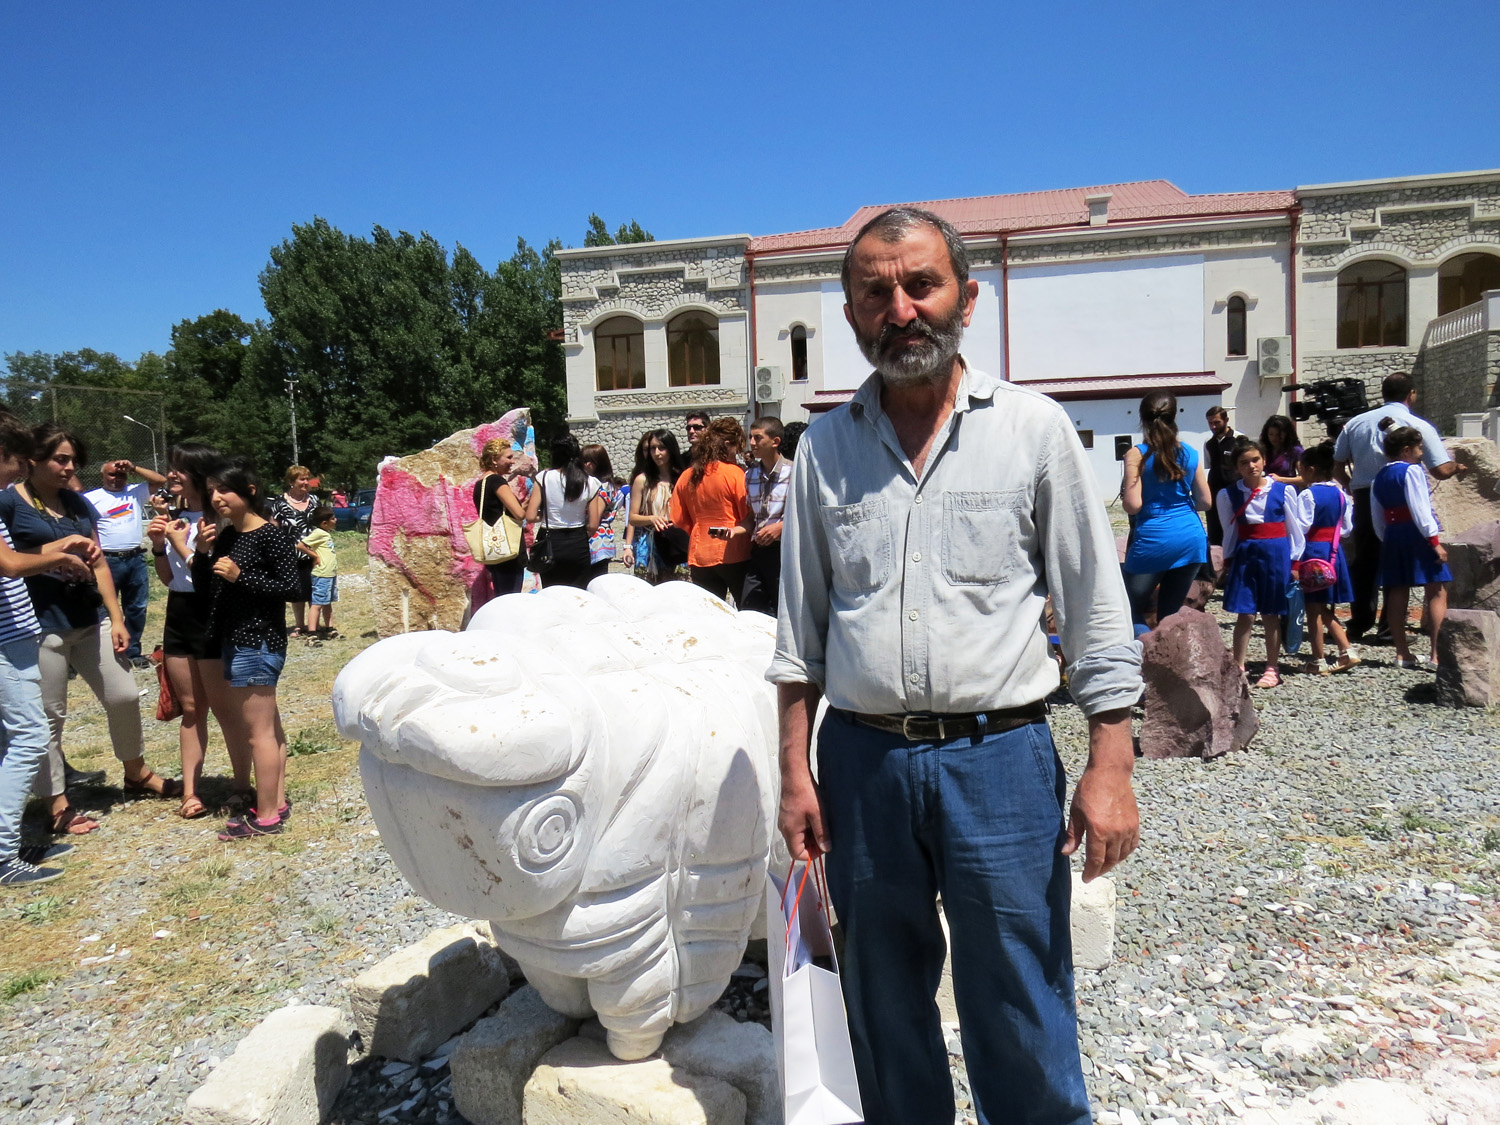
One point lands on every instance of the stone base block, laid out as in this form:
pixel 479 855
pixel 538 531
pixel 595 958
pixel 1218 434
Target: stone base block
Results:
pixel 741 1054
pixel 491 1063
pixel 581 1083
pixel 414 1000
pixel 1093 922
pixel 288 1071
pixel 1468 653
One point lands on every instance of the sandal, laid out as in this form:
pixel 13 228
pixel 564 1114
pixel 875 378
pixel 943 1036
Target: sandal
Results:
pixel 170 786
pixel 1269 678
pixel 71 822
pixel 192 809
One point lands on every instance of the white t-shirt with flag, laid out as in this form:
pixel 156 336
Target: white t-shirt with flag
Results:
pixel 122 515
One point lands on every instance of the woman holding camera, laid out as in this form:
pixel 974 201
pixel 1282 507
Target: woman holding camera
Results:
pixel 83 627
pixel 711 504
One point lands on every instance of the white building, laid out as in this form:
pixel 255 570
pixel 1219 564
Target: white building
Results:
pixel 1092 295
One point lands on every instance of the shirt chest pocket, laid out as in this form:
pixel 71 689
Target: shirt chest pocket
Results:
pixel 859 541
pixel 982 536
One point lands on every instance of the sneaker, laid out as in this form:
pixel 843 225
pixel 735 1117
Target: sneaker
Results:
pixel 74 778
pixel 140 663
pixel 244 827
pixel 284 813
pixel 41 853
pixel 18 873
pixel 1411 662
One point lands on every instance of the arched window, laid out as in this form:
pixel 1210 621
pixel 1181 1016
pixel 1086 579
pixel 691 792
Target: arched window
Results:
pixel 620 354
pixel 693 350
pixel 799 353
pixel 1236 316
pixel 1372 306
pixel 1464 279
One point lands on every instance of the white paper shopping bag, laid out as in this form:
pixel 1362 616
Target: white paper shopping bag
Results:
pixel 813 1054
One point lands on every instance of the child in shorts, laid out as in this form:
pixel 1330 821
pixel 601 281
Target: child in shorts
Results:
pixel 325 575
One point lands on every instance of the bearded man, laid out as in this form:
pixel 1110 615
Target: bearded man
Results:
pixel 929 520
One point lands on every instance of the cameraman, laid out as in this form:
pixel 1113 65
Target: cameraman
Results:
pixel 1360 455
pixel 124 509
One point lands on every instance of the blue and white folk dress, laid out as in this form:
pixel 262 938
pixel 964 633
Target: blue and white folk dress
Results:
pixel 1401 507
pixel 1262 535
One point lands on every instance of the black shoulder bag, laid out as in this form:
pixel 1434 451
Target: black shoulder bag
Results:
pixel 543 551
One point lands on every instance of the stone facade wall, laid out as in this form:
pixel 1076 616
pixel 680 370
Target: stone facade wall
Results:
pixel 1458 377
pixel 1371 366
pixel 1399 221
pixel 1027 253
pixel 652 283
pixel 620 431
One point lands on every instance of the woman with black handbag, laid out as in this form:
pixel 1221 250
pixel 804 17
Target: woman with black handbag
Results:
pixel 568 503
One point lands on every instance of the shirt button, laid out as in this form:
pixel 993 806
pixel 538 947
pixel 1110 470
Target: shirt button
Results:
pixel 918 500
pixel 914 677
pixel 912 615
pixel 916 556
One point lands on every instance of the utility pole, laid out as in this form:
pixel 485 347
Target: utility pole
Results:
pixel 291 395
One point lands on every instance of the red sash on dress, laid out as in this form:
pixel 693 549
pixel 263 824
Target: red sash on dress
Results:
pixel 1263 531
pixel 1397 515
pixel 1323 535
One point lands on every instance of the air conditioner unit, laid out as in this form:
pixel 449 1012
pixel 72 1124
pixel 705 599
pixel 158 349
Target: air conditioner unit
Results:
pixel 1275 354
pixel 767 384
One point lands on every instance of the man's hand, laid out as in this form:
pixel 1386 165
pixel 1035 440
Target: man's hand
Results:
pixel 801 814
pixel 767 534
pixel 1104 817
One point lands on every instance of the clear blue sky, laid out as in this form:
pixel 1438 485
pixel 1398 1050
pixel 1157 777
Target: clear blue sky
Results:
pixel 154 152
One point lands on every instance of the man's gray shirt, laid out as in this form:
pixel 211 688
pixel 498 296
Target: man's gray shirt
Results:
pixel 1362 442
pixel 903 593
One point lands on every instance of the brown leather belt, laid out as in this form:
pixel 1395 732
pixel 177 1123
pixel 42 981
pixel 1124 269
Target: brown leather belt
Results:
pixel 923 727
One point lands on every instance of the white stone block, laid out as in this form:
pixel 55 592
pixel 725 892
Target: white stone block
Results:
pixel 491 1063
pixel 288 1071
pixel 581 1083
pixel 1093 922
pixel 407 1005
pixel 741 1054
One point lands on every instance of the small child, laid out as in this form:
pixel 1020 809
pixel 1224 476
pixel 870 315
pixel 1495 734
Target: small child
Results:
pixel 325 575
pixel 1261 538
pixel 1326 516
pixel 1410 553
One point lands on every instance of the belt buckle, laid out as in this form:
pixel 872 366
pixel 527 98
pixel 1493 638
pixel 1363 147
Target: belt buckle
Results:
pixel 906 729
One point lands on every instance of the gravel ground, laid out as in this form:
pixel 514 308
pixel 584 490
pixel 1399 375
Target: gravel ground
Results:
pixel 1320 907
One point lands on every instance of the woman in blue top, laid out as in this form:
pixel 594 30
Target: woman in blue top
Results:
pixel 1165 489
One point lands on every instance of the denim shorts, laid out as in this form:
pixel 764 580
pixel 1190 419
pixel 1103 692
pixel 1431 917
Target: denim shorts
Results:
pixel 325 591
pixel 252 667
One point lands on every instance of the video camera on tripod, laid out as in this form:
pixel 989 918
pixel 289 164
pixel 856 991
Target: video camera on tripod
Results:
pixel 1331 401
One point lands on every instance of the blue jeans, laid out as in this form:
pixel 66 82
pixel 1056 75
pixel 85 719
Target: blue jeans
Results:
pixel 978 821
pixel 133 585
pixel 252 667
pixel 24 736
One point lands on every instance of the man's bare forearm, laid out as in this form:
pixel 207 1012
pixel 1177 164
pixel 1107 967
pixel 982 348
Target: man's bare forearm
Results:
pixel 796 705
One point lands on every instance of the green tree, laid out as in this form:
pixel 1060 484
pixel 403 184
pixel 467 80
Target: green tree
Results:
pixel 598 233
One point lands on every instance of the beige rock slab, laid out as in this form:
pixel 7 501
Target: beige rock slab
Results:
pixel 741 1054
pixel 581 1083
pixel 288 1071
pixel 491 1063
pixel 410 1003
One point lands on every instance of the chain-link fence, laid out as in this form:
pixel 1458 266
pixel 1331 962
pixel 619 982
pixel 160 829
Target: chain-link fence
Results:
pixel 110 422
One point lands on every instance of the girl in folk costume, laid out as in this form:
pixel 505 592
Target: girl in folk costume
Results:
pixel 1262 536
pixel 1410 554
pixel 1326 516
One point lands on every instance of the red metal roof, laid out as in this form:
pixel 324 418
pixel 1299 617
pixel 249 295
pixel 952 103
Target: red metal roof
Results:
pixel 1128 386
pixel 995 214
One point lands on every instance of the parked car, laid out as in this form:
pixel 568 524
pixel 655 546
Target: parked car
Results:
pixel 356 514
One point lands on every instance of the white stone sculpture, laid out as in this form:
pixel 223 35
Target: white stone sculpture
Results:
pixel 592 772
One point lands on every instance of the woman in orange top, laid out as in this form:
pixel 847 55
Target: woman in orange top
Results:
pixel 710 503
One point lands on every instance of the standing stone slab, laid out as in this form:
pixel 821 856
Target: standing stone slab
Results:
pixel 1468 653
pixel 1474 559
pixel 1197 701
pixel 741 1054
pixel 491 1063
pixel 581 1083
pixel 288 1071
pixel 414 1000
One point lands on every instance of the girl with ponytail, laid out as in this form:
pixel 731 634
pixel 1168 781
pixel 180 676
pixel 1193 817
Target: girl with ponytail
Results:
pixel 1165 488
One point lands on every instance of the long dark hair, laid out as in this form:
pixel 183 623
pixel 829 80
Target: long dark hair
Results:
pixel 197 462
pixel 645 464
pixel 49 435
pixel 1288 430
pixel 717 443
pixel 1397 438
pixel 567 458
pixel 238 476
pixel 1159 428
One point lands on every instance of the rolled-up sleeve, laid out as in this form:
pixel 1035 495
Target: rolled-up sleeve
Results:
pixel 806 578
pixel 1083 577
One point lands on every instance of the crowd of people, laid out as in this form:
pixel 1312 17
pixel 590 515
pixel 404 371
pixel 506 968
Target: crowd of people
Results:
pixel 1281 515
pixel 74 586
pixel 712 516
